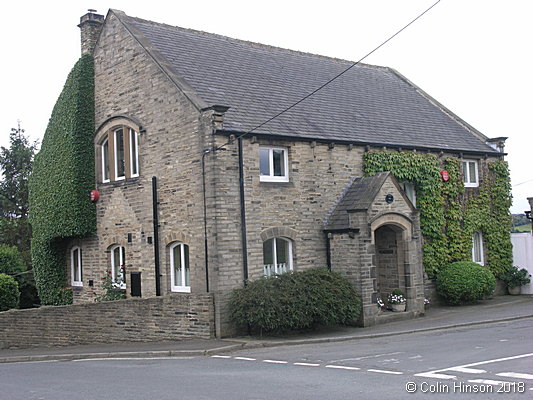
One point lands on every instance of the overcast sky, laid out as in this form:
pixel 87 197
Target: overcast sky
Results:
pixel 473 56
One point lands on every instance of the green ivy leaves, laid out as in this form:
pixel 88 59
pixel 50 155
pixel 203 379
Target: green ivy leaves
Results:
pixel 448 215
pixel 63 174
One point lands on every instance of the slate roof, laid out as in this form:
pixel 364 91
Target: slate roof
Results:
pixel 369 104
pixel 359 196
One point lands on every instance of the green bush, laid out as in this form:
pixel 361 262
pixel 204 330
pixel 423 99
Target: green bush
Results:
pixel 464 282
pixel 296 300
pixel 9 292
pixel 11 261
pixel 515 277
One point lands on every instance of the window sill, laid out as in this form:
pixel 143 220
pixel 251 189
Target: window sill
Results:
pixel 280 179
pixel 120 182
pixel 181 289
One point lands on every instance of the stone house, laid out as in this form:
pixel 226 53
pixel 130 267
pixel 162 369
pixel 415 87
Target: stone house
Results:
pixel 198 194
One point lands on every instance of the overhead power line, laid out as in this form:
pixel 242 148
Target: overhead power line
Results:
pixel 521 183
pixel 332 79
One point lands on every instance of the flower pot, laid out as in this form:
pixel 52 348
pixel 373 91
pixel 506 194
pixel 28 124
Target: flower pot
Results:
pixel 514 290
pixel 398 307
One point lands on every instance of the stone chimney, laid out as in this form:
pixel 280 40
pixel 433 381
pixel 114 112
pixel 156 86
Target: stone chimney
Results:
pixel 90 26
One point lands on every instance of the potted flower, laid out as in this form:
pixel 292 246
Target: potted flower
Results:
pixel 515 278
pixel 397 300
pixel 381 305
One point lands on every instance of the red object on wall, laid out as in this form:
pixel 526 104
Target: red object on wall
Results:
pixel 445 175
pixel 95 195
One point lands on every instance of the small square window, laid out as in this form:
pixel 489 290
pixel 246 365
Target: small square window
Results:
pixel 470 173
pixel 273 164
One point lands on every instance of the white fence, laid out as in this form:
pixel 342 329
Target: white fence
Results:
pixel 523 255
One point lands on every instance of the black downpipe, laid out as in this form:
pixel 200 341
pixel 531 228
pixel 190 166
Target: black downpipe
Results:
pixel 156 237
pixel 328 251
pixel 205 225
pixel 243 214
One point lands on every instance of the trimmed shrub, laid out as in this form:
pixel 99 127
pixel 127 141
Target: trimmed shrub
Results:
pixel 296 300
pixel 465 282
pixel 63 175
pixel 9 292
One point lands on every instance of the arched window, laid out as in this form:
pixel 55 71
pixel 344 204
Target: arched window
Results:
pixel 105 161
pixel 76 269
pixel 118 266
pixel 277 256
pixel 119 153
pixel 180 275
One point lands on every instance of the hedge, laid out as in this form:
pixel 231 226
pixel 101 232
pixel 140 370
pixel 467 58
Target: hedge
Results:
pixel 296 300
pixel 63 175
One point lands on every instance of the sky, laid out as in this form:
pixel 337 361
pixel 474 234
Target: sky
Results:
pixel 473 56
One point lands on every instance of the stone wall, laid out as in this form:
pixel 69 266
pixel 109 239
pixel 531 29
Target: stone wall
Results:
pixel 131 89
pixel 174 317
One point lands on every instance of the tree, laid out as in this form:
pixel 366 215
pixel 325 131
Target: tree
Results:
pixel 16 165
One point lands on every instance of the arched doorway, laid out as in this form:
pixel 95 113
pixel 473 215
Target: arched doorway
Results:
pixel 390 259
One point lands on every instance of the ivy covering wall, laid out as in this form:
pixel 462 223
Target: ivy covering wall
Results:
pixel 63 175
pixel 449 214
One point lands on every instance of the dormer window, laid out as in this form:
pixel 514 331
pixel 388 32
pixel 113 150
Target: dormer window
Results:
pixel 119 153
pixel 470 173
pixel 273 164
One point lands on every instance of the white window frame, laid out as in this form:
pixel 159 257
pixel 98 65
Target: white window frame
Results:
pixel 174 287
pixel 134 152
pixel 115 149
pixel 73 267
pixel 105 160
pixel 271 177
pixel 477 240
pixel 466 173
pixel 271 269
pixel 122 260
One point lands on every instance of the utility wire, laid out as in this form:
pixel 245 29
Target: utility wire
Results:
pixel 331 80
pixel 521 183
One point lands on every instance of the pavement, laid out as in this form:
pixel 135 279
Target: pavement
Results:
pixel 499 309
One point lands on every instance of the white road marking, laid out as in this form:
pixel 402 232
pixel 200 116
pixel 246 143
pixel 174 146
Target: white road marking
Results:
pixel 245 358
pixel 488 382
pixel 302 364
pixel 468 370
pixel 436 375
pixel 515 375
pixel 343 367
pixel 504 340
pixel 366 357
pixel 220 356
pixel 495 360
pixel 275 361
pixel 385 372
pixel 132 358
